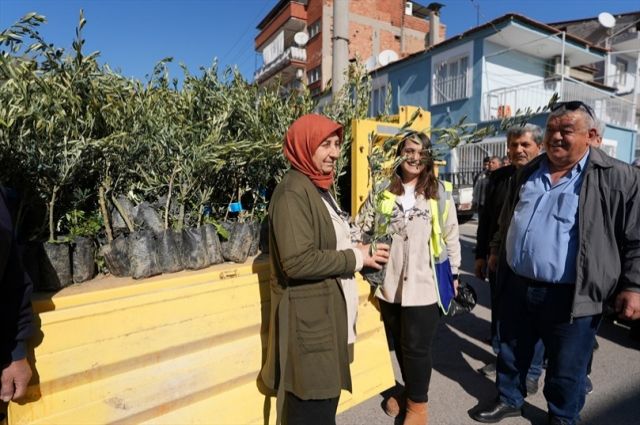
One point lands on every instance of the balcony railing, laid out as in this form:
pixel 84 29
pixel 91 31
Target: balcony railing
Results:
pixel 290 54
pixel 506 101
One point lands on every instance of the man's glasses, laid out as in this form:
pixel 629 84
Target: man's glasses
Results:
pixel 573 105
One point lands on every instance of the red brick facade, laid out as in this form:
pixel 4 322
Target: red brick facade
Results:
pixel 374 26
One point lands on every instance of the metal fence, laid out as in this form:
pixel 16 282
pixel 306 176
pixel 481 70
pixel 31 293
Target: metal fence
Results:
pixel 505 101
pixel 466 160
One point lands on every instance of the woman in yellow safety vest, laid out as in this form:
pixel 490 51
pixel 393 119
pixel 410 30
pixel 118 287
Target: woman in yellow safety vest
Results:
pixel 422 271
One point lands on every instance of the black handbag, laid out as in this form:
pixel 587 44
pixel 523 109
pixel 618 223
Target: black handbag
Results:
pixel 465 301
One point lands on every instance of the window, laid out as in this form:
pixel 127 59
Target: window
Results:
pixel 314 29
pixel 450 80
pixel 621 72
pixel 313 75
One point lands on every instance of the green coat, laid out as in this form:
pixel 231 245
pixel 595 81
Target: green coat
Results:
pixel 308 320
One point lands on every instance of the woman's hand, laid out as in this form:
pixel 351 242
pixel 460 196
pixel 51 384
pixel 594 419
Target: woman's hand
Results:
pixel 455 287
pixel 376 259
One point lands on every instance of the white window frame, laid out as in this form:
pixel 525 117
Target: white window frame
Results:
pixel 458 87
pixel 314 29
pixel 314 75
pixel 622 67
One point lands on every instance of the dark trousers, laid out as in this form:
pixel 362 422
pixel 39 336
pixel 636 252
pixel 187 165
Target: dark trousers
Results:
pixel 493 291
pixel 309 412
pixel 535 369
pixel 531 310
pixel 412 330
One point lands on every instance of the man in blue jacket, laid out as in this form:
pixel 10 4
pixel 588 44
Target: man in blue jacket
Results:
pixel 15 310
pixel 569 241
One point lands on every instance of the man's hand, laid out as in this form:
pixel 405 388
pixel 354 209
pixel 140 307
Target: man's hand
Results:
pixel 627 305
pixel 480 268
pixel 455 287
pixel 493 263
pixel 15 378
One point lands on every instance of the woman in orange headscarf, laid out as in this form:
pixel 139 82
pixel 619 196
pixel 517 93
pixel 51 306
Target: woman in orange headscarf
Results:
pixel 312 288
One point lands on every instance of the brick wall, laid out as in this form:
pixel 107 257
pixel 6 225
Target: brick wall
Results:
pixel 379 28
pixel 314 47
pixel 360 41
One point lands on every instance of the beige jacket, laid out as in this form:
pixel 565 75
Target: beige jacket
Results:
pixel 409 277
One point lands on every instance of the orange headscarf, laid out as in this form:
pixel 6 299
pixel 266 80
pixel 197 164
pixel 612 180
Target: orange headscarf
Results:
pixel 301 142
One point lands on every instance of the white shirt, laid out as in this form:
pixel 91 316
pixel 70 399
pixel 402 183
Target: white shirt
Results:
pixel 349 285
pixel 408 198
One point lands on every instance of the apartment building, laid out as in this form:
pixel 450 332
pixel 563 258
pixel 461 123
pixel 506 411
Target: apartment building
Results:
pixel 295 38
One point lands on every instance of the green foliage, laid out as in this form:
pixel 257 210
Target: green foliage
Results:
pixel 219 228
pixel 78 223
pixel 351 103
pixel 68 122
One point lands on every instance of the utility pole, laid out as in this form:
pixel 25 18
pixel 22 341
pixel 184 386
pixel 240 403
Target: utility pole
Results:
pixel 340 45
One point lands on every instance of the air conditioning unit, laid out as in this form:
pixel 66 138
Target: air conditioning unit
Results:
pixel 555 66
pixel 408 8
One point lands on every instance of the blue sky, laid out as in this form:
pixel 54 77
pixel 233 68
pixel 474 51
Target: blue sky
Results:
pixel 132 35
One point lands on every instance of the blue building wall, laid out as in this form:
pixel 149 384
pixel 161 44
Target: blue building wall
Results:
pixel 626 142
pixel 409 81
pixel 448 113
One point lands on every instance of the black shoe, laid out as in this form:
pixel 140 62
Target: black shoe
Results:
pixel 488 370
pixel 588 385
pixel 495 413
pixel 532 386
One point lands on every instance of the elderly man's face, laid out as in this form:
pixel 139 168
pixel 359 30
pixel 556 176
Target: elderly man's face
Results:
pixel 522 149
pixel 567 138
pixel 494 164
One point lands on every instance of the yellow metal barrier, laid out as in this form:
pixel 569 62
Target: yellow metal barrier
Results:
pixel 361 129
pixel 181 348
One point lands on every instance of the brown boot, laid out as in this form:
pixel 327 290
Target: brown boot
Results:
pixel 416 413
pixel 395 404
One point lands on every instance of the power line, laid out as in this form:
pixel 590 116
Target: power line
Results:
pixel 246 32
pixel 477 6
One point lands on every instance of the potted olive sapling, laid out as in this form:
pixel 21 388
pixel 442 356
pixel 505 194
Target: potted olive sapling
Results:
pixel 236 247
pixel 82 231
pixel 376 214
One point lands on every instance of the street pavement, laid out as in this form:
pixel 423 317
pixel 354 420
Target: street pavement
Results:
pixel 459 350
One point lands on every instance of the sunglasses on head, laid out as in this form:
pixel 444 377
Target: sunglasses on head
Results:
pixel 573 105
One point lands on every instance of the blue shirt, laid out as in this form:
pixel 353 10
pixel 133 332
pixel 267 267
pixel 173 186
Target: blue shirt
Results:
pixel 542 241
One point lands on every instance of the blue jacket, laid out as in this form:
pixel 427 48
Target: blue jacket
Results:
pixel 608 258
pixel 15 290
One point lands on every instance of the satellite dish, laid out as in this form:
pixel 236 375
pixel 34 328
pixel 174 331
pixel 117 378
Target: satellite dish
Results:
pixel 371 63
pixel 607 20
pixel 386 57
pixel 301 38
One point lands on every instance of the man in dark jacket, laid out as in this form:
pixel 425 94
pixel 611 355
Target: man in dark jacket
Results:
pixel 15 310
pixel 569 242
pixel 523 145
